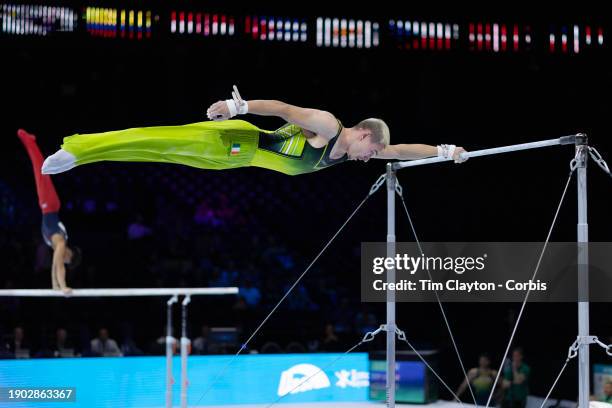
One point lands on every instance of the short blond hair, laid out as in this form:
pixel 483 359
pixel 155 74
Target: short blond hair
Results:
pixel 379 129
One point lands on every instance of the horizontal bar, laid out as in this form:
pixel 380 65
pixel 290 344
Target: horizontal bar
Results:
pixel 119 292
pixel 486 152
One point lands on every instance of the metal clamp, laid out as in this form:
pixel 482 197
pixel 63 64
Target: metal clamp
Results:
pixel 599 160
pixel 580 340
pixel 607 347
pixel 586 340
pixel 400 334
pixel 581 139
pixel 581 157
pixel 398 188
pixel 377 184
pixel 573 164
pixel 369 336
pixel 573 350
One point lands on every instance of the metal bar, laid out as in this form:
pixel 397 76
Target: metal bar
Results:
pixel 169 342
pixel 119 292
pixel 391 183
pixel 583 276
pixel 184 353
pixel 486 152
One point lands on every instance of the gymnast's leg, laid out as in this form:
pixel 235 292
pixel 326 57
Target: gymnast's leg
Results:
pixel 206 145
pixel 48 199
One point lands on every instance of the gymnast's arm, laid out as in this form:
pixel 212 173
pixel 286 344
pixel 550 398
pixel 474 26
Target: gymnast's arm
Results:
pixel 59 269
pixel 407 152
pixel 317 121
pixel 413 152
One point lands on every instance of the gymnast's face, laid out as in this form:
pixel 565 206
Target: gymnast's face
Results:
pixel 68 256
pixel 363 147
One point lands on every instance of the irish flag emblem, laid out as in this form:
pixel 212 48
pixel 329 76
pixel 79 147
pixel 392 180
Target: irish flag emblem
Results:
pixel 235 149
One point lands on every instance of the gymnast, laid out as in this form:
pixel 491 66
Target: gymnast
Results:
pixel 53 230
pixel 311 140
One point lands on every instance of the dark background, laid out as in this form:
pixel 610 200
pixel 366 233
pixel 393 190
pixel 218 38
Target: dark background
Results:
pixel 72 83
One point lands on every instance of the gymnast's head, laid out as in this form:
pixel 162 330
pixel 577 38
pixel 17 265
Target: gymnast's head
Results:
pixel 73 257
pixel 367 139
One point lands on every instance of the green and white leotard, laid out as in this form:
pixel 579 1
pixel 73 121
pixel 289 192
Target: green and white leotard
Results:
pixel 207 145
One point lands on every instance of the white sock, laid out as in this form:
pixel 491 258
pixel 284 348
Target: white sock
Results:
pixel 58 162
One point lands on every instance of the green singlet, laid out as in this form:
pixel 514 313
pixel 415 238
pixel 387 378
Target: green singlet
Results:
pixel 207 145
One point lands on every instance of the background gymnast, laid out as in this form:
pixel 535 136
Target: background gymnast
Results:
pixel 311 140
pixel 53 230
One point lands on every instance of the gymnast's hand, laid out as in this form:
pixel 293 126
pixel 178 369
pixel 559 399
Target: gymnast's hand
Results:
pixel 457 155
pixel 229 108
pixel 218 111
